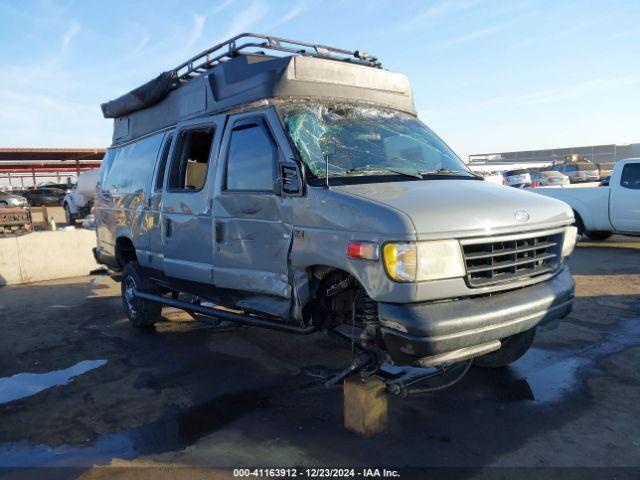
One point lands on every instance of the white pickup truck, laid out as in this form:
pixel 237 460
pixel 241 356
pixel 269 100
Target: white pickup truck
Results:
pixel 604 210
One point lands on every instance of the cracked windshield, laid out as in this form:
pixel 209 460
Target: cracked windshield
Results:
pixel 360 140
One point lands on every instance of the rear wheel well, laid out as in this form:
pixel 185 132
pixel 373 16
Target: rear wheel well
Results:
pixel 125 251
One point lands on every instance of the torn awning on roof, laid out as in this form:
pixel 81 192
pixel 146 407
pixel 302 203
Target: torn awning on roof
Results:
pixel 142 97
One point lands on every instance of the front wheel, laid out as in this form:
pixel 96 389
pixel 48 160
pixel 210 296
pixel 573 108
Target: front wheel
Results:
pixel 141 313
pixel 70 217
pixel 600 235
pixel 512 349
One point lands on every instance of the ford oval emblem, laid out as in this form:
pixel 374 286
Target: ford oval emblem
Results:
pixel 522 216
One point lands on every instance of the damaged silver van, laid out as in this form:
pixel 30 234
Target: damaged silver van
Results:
pixel 290 186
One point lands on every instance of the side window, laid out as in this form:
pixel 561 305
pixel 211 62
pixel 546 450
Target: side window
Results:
pixel 631 176
pixel 191 159
pixel 131 169
pixel 251 159
pixel 105 165
pixel 163 163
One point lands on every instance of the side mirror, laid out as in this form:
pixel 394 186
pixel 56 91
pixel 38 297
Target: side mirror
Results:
pixel 290 179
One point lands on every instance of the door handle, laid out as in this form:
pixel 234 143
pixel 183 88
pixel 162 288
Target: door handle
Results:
pixel 167 227
pixel 219 232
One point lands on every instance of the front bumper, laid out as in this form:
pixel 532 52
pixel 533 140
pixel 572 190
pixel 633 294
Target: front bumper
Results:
pixel 104 259
pixel 416 330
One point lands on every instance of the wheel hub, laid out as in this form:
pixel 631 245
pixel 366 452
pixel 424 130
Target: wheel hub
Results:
pixel 130 296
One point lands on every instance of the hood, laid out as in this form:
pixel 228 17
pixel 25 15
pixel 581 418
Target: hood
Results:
pixel 465 208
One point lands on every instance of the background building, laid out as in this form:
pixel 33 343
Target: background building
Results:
pixel 25 167
pixel 598 154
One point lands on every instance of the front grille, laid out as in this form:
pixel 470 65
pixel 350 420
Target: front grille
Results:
pixel 491 261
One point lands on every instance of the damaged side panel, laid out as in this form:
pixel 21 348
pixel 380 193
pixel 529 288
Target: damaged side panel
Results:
pixel 253 230
pixel 327 220
pixel 252 251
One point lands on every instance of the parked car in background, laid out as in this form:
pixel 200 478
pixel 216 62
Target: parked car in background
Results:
pixel 605 169
pixel 67 187
pixel 44 196
pixel 548 178
pixel 78 203
pixel 579 172
pixel 493 177
pixel 12 200
pixel 517 178
pixel 603 210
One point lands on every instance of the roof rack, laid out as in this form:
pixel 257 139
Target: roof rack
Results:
pixel 243 44
pixel 253 43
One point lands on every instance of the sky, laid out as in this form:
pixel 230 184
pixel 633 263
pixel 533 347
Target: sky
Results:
pixel 488 76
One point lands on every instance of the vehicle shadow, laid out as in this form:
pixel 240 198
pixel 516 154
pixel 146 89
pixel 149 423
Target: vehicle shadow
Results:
pixel 592 259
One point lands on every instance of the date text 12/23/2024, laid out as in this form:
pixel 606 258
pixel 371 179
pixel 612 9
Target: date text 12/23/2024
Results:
pixel 316 473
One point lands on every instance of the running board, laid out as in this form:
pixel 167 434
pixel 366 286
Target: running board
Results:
pixel 455 356
pixel 225 315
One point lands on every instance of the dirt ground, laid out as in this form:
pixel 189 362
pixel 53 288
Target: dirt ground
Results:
pixel 185 394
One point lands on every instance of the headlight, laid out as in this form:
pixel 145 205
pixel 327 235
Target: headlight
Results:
pixel 569 240
pixel 422 261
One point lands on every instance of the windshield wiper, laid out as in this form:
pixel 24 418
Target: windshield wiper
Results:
pixel 383 169
pixel 441 171
pixel 447 171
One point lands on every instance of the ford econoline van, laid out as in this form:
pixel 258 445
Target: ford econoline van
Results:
pixel 291 186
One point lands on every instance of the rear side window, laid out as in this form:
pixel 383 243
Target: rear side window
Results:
pixel 131 168
pixel 105 165
pixel 251 160
pixel 191 159
pixel 631 176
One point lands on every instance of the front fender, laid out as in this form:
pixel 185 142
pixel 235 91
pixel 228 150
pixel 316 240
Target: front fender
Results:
pixel 68 200
pixel 593 218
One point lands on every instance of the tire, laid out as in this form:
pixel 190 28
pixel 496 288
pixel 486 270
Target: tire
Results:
pixel 600 235
pixel 141 313
pixel 512 349
pixel 70 217
pixel 579 223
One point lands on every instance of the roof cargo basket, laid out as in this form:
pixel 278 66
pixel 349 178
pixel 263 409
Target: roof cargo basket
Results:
pixel 244 43
pixel 253 42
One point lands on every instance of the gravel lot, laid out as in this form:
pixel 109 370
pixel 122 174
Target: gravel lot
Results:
pixel 188 394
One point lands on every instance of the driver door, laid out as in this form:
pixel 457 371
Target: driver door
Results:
pixel 253 228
